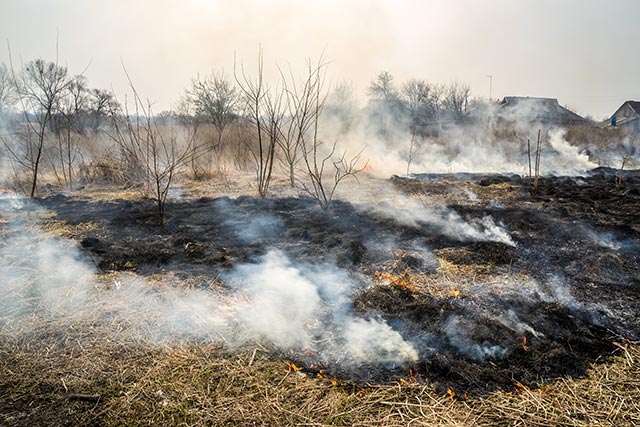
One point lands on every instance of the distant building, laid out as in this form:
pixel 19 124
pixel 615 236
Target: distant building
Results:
pixel 627 116
pixel 536 110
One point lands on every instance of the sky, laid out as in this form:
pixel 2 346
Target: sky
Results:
pixel 582 52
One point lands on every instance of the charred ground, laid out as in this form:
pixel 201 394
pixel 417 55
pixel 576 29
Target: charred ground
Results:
pixel 577 239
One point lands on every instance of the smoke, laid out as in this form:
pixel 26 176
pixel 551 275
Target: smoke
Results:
pixel 566 158
pixel 43 275
pixel 494 141
pixel 259 226
pixel 284 305
pixel 473 197
pixel 511 320
pixel 369 339
pixel 382 199
pixel 308 307
pixel 455 330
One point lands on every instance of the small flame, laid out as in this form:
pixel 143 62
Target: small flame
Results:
pixel 403 282
pixel 412 377
pixel 451 393
pixel 292 367
pixel 454 293
pixel 524 343
pixel 321 376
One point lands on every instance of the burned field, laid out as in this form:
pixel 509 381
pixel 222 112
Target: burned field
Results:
pixel 467 285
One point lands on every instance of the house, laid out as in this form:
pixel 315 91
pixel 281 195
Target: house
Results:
pixel 627 116
pixel 536 110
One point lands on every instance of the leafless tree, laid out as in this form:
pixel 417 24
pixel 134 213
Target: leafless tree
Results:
pixel 67 123
pixel 315 156
pixel 40 86
pixel 341 107
pixel 215 100
pixel 255 98
pixel 300 118
pixel 158 154
pixel 190 124
pixel 383 88
pixel 102 104
pixel 456 100
pixel 416 95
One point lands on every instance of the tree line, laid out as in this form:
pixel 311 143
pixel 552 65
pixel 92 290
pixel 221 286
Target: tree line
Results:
pixel 51 116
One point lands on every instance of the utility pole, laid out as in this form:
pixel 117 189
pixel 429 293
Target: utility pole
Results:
pixel 490 86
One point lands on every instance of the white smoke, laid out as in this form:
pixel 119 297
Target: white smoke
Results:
pixel 273 301
pixel 368 339
pixel 417 212
pixel 258 227
pixel 308 307
pixel 456 332
pixel 566 158
pixel 43 275
pixel 511 320
pixel 495 142
pixel 604 239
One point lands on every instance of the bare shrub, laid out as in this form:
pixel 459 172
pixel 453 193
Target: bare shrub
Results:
pixel 264 112
pixel 152 154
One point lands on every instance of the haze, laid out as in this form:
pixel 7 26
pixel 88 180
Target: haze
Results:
pixel 582 52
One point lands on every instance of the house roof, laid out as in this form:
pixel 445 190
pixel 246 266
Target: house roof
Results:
pixel 635 105
pixel 539 109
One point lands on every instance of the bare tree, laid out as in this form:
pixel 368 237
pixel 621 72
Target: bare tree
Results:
pixel 315 156
pixel 67 123
pixel 300 118
pixel 190 124
pixel 102 104
pixel 416 95
pixel 383 88
pixel 255 97
pixel 215 100
pixel 457 100
pixel 341 107
pixel 40 86
pixel 157 152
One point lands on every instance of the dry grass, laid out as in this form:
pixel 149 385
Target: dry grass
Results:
pixel 58 228
pixel 45 368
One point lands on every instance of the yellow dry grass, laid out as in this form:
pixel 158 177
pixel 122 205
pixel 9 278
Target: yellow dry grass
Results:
pixel 43 370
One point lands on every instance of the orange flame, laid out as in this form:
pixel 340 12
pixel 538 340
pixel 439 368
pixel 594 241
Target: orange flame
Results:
pixel 320 376
pixel 451 393
pixel 524 343
pixel 401 282
pixel 292 367
pixel 454 293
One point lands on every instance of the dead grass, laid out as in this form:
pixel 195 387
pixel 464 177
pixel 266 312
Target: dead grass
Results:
pixel 43 369
pixel 58 228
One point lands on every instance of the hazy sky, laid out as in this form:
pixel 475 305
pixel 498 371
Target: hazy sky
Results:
pixel 585 53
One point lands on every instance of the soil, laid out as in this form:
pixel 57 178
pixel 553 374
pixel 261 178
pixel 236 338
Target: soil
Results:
pixel 576 240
